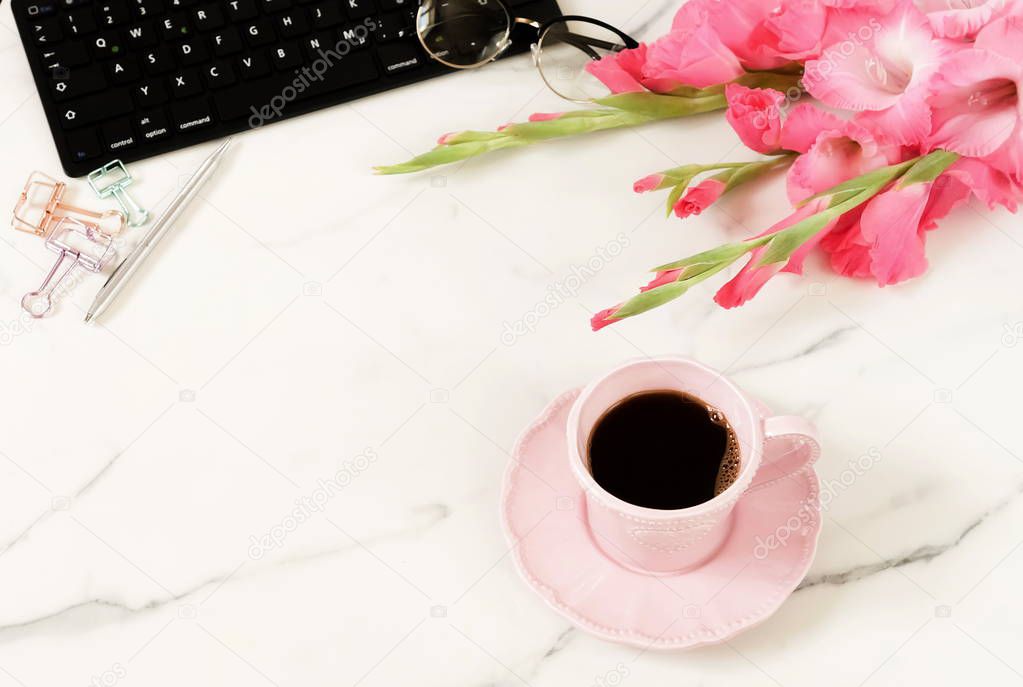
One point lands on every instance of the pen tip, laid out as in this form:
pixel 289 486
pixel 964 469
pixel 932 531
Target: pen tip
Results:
pixel 88 316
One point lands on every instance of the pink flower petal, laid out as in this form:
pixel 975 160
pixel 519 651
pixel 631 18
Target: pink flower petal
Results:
pixel 891 221
pixel 604 318
pixel 804 124
pixel 662 278
pixel 695 58
pixel 699 198
pixel 648 183
pixel 975 109
pixel 621 71
pixel 755 114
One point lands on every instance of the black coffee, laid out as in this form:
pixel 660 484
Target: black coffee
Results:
pixel 663 449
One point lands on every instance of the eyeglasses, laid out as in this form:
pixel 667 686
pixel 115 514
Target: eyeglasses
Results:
pixel 466 34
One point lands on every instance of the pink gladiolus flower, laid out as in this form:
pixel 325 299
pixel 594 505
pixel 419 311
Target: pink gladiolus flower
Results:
pixel 699 198
pixel 989 185
pixel 763 35
pixel 544 116
pixel 960 18
pixel 604 318
pixel 837 155
pixel 755 114
pixel 694 57
pixel 648 183
pixel 885 239
pixel 804 124
pixel 977 109
pixel 662 278
pixel 685 57
pixel 885 69
pixel 621 72
pixel 752 277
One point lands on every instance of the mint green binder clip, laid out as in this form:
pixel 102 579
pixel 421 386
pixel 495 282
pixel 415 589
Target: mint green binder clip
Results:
pixel 111 180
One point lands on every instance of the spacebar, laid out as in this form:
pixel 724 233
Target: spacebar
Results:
pixel 268 99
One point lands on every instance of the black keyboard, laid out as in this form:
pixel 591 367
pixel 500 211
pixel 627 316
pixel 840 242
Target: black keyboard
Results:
pixel 130 79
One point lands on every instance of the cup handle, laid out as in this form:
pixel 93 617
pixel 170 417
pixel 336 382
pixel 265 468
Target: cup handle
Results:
pixel 790 444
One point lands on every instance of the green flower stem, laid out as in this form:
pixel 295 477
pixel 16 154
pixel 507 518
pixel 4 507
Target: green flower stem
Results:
pixel 734 174
pixel 781 245
pixel 616 111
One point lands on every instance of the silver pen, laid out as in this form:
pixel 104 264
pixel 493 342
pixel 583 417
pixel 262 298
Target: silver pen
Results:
pixel 123 272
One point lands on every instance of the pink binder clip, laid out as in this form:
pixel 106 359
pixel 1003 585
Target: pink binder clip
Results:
pixel 41 206
pixel 77 244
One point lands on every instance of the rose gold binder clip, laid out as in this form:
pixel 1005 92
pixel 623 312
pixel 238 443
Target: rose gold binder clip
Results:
pixel 41 207
pixel 77 244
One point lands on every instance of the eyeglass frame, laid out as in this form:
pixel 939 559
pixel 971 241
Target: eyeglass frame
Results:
pixel 541 28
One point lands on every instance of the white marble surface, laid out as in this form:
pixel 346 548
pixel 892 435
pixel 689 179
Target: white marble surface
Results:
pixel 308 313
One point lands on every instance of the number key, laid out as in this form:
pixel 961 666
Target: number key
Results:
pixel 113 13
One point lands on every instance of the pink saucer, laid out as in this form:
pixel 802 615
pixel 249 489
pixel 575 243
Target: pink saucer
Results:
pixel 767 553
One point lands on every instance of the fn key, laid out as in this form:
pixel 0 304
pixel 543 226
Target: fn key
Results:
pixel 191 114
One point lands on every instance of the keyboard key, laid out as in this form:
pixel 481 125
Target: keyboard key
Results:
pixel 71 4
pixel 226 42
pixel 219 74
pixel 181 4
pixel 241 10
pixel 94 108
pixel 253 66
pixel 326 14
pixel 158 61
pixel 143 9
pixel 175 27
pixel 316 43
pixel 150 94
pixel 293 24
pixel 139 37
pixel 113 13
pixel 40 9
pixel 83 145
pixel 359 9
pixel 191 114
pixel 400 57
pixel 259 33
pixel 45 32
pixel 152 125
pixel 391 5
pixel 80 22
pixel 192 52
pixel 124 71
pixel 185 83
pixel 286 56
pixel 106 45
pixel 63 57
pixel 80 81
pixel 394 26
pixel 119 135
pixel 208 18
pixel 355 35
pixel 254 99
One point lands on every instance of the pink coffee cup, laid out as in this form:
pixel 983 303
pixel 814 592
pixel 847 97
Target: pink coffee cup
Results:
pixel 657 541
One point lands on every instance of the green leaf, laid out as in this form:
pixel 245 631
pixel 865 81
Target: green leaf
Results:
pixel 674 195
pixel 726 253
pixel 648 300
pixel 852 187
pixel 661 106
pixel 928 168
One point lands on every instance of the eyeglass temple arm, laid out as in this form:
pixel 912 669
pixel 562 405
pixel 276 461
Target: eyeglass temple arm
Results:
pixel 629 41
